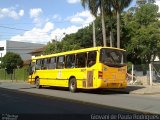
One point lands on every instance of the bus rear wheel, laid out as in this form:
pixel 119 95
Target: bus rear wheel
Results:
pixel 38 83
pixel 72 85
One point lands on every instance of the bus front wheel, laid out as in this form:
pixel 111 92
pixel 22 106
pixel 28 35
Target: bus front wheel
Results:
pixel 38 83
pixel 72 85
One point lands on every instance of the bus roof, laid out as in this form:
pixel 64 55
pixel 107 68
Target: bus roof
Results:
pixel 74 51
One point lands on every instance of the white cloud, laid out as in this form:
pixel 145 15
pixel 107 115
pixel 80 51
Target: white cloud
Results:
pixel 21 12
pixel 11 13
pixel 45 34
pixel 73 1
pixel 60 33
pixel 158 3
pixel 57 17
pixel 36 35
pixel 76 20
pixel 48 27
pixel 35 12
pixel 83 18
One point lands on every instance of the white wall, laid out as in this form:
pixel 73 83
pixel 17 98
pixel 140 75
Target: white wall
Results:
pixel 157 59
pixel 3 44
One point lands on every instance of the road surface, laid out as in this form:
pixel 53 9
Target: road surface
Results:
pixel 26 106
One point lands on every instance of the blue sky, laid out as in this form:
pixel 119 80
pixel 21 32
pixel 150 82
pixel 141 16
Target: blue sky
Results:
pixel 39 21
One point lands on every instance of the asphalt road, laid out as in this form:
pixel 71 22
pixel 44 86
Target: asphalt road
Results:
pixel 19 105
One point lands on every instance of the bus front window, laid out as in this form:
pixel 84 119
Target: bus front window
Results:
pixel 112 57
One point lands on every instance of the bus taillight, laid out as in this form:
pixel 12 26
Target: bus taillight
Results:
pixel 100 74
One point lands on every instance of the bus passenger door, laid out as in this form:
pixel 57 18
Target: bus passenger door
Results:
pixel 89 78
pixel 91 62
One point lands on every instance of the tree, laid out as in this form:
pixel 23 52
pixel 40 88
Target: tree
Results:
pixel 53 47
pixel 143 2
pixel 11 61
pixel 143 17
pixel 144 31
pixel 119 6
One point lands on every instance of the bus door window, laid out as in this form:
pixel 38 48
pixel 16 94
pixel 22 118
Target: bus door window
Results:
pixel 33 66
pixel 60 62
pixel 38 64
pixel 70 61
pixel 81 60
pixel 91 58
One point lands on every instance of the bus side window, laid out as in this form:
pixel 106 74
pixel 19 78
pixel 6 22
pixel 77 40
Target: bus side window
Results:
pixel 48 63
pixel 70 61
pixel 91 58
pixel 60 62
pixel 81 60
pixel 42 64
pixel 52 64
pixel 45 64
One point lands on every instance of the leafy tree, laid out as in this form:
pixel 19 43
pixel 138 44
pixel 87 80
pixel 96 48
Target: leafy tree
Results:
pixel 53 47
pixel 143 17
pixel 11 61
pixel 144 33
pixel 142 2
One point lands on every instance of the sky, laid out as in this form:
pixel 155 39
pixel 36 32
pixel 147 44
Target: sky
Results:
pixel 40 21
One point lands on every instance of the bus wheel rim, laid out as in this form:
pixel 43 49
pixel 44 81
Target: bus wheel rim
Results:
pixel 72 85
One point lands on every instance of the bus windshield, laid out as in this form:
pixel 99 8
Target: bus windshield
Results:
pixel 113 57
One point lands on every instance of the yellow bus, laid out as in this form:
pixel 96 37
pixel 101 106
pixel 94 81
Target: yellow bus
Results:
pixel 90 68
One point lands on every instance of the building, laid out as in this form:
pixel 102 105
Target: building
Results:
pixel 21 48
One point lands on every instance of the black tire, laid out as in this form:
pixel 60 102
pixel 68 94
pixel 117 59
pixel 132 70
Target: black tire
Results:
pixel 37 83
pixel 72 85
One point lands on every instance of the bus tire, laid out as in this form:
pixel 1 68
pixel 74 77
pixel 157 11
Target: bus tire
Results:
pixel 38 83
pixel 73 85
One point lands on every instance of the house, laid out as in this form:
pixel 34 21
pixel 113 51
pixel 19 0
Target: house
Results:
pixel 37 52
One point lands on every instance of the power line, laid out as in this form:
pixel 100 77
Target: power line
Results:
pixel 13 28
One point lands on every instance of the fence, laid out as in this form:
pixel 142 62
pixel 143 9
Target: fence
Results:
pixel 144 74
pixel 18 74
